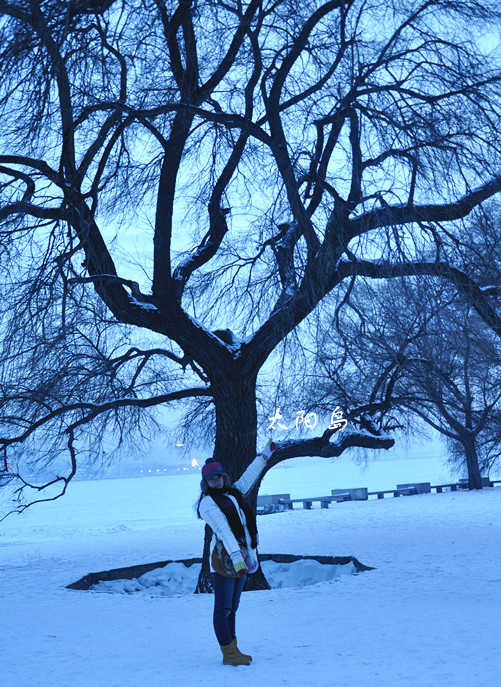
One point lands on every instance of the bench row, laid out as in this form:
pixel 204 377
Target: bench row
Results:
pixel 278 502
pixel 340 496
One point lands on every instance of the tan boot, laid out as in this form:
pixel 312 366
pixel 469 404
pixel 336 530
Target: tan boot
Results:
pixel 249 658
pixel 232 656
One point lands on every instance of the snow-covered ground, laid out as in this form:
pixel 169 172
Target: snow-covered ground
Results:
pixel 428 615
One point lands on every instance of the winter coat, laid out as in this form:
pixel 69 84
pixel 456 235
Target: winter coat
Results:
pixel 215 518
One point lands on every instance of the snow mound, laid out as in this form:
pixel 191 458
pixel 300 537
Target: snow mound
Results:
pixel 303 573
pixel 174 579
pixel 177 579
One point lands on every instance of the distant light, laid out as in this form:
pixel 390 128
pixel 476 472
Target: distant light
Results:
pixel 180 444
pixel 194 463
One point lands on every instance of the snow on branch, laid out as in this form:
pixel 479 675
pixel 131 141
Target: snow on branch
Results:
pixel 325 448
pixel 137 298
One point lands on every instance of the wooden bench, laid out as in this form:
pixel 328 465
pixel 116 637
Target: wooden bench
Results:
pixel 355 494
pixel 307 503
pixel 271 503
pixel 464 483
pixel 421 487
pixel 408 491
pixel 341 496
pixel 440 487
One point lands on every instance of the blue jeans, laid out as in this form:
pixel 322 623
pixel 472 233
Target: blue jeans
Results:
pixel 227 592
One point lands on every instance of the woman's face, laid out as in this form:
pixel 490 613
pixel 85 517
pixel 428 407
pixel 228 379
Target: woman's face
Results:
pixel 216 482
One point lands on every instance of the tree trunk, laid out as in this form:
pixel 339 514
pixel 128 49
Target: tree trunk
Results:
pixel 236 421
pixel 474 477
pixel 258 579
pixel 204 584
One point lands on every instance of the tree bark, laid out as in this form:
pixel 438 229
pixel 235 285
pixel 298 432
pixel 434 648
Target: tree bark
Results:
pixel 204 584
pixel 236 421
pixel 470 449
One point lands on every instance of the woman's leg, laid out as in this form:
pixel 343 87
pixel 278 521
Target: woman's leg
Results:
pixel 227 592
pixel 237 593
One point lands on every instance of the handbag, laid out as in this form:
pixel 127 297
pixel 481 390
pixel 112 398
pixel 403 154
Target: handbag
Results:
pixel 222 563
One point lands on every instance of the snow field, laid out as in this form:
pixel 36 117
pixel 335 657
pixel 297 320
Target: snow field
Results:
pixel 428 615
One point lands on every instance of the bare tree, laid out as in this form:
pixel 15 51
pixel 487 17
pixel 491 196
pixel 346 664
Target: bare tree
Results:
pixel 459 392
pixel 253 157
pixel 417 351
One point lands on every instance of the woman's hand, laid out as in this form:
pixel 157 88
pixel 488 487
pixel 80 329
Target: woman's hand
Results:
pixel 268 449
pixel 238 563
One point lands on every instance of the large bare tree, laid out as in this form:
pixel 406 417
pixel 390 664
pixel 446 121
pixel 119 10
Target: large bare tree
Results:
pixel 208 172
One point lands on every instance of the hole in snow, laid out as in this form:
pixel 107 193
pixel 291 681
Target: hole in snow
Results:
pixel 176 579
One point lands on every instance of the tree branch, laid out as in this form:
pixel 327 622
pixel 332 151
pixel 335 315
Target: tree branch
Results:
pixel 64 480
pixel 474 294
pixel 92 410
pixel 406 214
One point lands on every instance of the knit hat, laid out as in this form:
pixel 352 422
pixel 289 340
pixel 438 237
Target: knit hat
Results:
pixel 212 469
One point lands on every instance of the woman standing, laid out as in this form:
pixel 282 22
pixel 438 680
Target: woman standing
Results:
pixel 225 510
